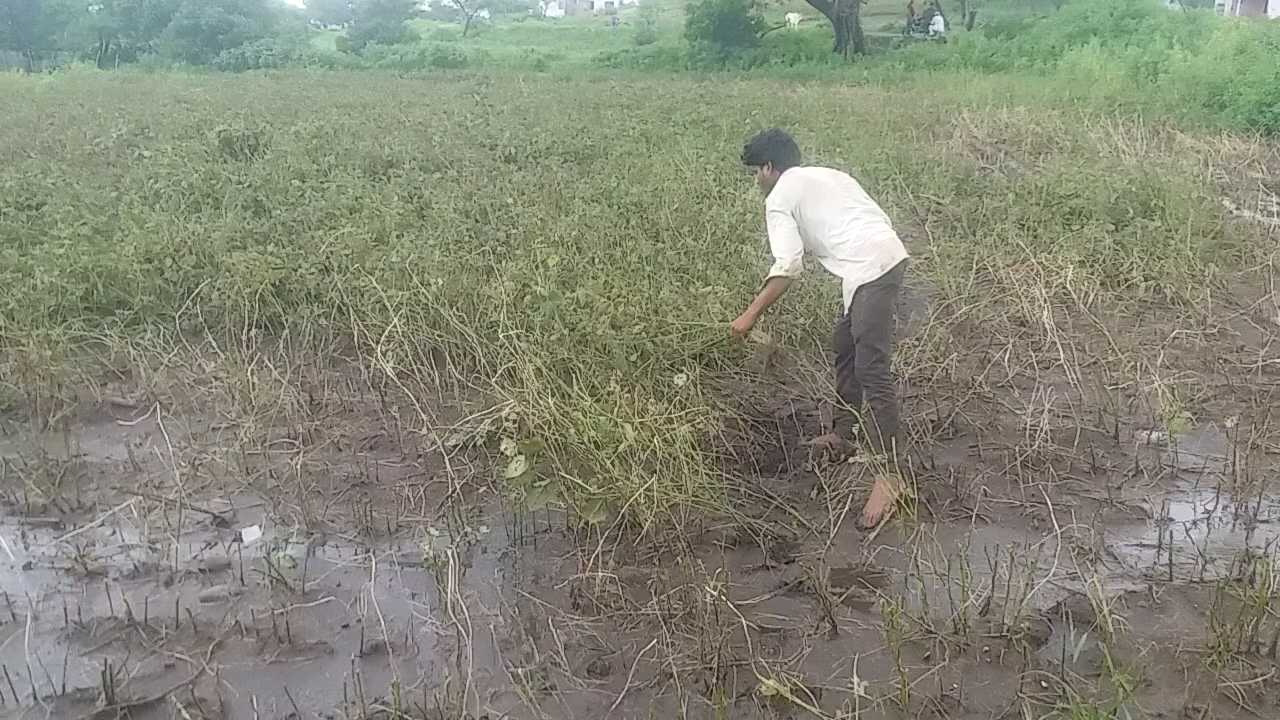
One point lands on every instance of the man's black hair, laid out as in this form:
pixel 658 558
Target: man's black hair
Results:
pixel 774 147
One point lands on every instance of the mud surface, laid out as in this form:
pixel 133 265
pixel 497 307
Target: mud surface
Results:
pixel 170 552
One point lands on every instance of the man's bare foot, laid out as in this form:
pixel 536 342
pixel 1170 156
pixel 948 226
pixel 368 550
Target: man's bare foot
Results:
pixel 884 497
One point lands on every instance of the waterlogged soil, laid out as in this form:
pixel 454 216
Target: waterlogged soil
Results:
pixel 159 560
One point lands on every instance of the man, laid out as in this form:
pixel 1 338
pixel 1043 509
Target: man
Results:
pixel 937 23
pixel 827 214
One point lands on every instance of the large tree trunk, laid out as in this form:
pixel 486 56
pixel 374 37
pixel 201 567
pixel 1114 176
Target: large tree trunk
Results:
pixel 846 23
pixel 968 15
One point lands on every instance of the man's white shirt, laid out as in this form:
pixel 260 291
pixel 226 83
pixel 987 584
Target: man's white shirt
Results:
pixel 827 214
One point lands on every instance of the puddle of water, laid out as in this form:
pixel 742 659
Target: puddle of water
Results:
pixel 288 611
pixel 1204 450
pixel 1197 527
pixel 330 616
pixel 1196 534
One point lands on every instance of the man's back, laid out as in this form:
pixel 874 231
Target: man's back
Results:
pixel 838 223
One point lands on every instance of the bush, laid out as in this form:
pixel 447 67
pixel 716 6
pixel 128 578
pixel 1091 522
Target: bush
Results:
pixel 649 57
pixel 443 35
pixel 362 37
pixel 716 29
pixel 201 30
pixel 257 55
pixel 789 49
pixel 419 56
pixel 1134 54
pixel 449 57
pixel 646 25
pixel 1234 78
pixel 381 22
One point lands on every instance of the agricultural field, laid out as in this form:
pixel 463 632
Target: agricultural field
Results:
pixel 347 395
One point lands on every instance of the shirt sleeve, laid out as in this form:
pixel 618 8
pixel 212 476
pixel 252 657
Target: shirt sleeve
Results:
pixel 784 241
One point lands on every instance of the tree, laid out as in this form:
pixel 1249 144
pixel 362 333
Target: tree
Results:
pixel 202 29
pixel 18 27
pixel 846 22
pixel 33 28
pixel 646 25
pixel 969 12
pixel 469 9
pixel 115 31
pixel 329 12
pixel 381 21
pixel 724 26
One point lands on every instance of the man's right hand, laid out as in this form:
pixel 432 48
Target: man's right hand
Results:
pixel 741 326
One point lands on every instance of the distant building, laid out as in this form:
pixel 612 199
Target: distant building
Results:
pixel 1249 8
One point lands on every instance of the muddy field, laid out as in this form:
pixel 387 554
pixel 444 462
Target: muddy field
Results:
pixel 170 552
pixel 267 366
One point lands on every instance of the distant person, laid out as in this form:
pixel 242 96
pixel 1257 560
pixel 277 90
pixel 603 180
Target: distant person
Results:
pixel 938 25
pixel 911 11
pixel 826 214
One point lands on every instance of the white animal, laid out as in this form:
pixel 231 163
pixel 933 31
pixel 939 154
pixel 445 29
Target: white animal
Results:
pixel 793 19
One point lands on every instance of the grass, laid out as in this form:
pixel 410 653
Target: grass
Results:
pixel 581 42
pixel 567 277
pixel 1136 55
pixel 580 273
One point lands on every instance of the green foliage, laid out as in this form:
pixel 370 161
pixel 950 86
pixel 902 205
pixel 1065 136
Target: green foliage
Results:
pixel 121 31
pixel 646 32
pixel 657 57
pixel 202 29
pixel 1132 53
pixel 382 22
pixel 447 56
pixel 31 27
pixel 584 276
pixel 417 56
pixel 716 29
pixel 1234 77
pixel 264 54
pixel 443 35
pixel 114 32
